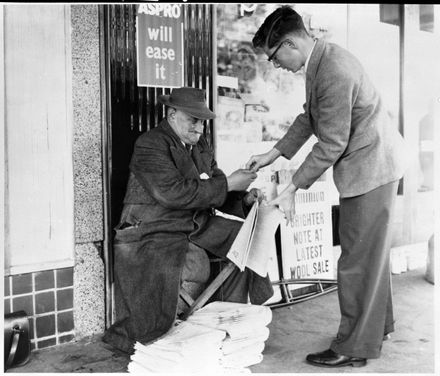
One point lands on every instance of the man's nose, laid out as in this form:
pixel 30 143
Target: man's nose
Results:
pixel 199 125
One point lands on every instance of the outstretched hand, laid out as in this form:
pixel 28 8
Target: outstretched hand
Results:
pixel 240 180
pixel 286 202
pixel 253 195
pixel 261 160
pixel 256 162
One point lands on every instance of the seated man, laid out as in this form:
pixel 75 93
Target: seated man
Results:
pixel 173 189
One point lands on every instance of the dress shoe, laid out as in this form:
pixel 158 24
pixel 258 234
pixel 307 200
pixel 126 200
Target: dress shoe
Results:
pixel 329 358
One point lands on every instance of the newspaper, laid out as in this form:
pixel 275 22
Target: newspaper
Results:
pixel 227 336
pixel 252 245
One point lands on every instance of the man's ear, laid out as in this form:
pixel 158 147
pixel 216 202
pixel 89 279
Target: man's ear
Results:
pixel 171 114
pixel 291 43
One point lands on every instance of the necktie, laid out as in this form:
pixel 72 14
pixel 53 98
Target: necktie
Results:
pixel 189 149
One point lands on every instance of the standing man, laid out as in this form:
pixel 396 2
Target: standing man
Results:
pixel 168 223
pixel 347 115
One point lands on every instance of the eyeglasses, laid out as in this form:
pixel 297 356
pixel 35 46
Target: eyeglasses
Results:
pixel 272 56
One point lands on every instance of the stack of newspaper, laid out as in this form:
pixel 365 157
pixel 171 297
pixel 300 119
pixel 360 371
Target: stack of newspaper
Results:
pixel 222 337
pixel 246 328
pixel 180 350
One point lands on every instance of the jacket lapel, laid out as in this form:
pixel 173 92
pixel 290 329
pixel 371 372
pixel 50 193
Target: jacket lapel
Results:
pixel 308 91
pixel 202 159
pixel 190 166
pixel 166 127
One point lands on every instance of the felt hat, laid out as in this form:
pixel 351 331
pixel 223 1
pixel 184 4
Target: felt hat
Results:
pixel 190 100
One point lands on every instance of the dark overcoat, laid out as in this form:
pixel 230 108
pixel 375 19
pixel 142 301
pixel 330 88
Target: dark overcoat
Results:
pixel 170 200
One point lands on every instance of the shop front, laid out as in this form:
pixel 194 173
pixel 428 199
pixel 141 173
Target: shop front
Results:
pixel 255 104
pixel 77 103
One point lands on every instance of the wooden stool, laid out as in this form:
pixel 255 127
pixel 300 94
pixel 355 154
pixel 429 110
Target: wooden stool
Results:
pixel 197 271
pixel 208 292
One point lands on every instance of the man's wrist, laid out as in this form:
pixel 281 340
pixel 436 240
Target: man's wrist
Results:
pixel 291 188
pixel 274 154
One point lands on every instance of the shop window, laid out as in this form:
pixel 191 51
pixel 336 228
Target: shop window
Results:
pixel 389 13
pixel 426 149
pixel 421 111
pixel 426 17
pixel 377 26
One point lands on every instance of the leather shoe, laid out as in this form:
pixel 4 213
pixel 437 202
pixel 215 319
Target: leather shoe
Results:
pixel 329 358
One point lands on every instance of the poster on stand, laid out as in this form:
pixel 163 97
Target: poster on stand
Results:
pixel 307 244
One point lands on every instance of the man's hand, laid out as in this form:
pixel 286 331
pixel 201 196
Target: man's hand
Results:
pixel 253 195
pixel 261 160
pixel 241 179
pixel 286 202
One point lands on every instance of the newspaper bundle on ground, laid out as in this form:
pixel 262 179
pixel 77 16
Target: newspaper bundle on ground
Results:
pixel 253 242
pixel 246 326
pixel 221 337
pixel 180 350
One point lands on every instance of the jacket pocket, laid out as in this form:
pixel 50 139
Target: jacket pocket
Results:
pixel 129 233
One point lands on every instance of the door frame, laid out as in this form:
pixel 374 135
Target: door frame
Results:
pixel 106 137
pixel 199 27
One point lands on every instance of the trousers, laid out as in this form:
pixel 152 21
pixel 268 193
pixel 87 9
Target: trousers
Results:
pixel 241 286
pixel 363 272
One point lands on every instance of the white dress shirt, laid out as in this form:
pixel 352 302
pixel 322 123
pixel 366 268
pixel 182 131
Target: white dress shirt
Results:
pixel 308 57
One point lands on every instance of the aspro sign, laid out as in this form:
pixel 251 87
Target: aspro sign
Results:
pixel 159 35
pixel 161 10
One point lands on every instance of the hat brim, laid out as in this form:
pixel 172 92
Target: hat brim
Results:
pixel 203 113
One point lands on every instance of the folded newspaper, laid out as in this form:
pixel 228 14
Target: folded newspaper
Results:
pixel 180 350
pixel 254 240
pixel 237 319
pixel 228 337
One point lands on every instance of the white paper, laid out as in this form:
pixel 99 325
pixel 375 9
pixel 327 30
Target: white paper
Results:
pixel 267 222
pixel 201 344
pixel 239 251
pixel 237 319
pixel 251 248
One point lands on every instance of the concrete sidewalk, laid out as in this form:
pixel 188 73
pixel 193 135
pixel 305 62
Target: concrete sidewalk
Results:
pixel 295 331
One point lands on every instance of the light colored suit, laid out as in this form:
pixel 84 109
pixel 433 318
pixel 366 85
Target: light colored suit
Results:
pixel 355 135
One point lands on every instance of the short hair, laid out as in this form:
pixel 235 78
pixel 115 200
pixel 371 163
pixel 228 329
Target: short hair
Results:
pixel 282 21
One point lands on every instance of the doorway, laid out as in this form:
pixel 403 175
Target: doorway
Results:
pixel 129 110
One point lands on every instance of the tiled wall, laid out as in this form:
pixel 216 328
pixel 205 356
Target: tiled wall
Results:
pixel 47 298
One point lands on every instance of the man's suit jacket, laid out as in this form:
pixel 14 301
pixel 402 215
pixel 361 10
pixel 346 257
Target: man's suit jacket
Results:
pixel 347 115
